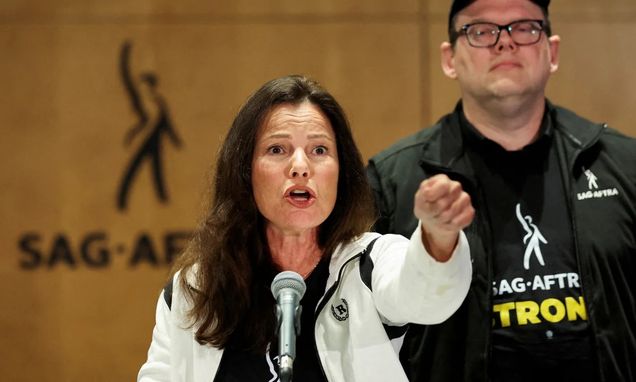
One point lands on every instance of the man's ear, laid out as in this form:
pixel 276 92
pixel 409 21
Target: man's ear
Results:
pixel 554 41
pixel 447 55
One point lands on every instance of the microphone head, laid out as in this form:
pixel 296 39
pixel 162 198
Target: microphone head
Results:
pixel 288 279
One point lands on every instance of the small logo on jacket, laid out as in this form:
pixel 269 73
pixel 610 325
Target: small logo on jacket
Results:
pixel 340 311
pixel 593 191
pixel 591 179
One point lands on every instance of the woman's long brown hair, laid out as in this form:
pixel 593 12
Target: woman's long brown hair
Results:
pixel 228 261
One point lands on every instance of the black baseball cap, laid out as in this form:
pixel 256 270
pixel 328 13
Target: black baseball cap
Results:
pixel 458 5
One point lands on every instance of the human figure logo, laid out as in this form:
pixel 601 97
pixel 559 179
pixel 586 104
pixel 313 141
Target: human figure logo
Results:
pixel 153 124
pixel 591 179
pixel 532 239
pixel 593 192
pixel 270 364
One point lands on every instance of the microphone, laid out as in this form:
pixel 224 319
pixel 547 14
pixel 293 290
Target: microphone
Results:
pixel 288 288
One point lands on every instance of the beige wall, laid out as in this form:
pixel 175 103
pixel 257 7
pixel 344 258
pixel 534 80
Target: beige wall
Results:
pixel 64 114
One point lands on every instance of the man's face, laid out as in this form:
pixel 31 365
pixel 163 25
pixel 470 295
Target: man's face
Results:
pixel 506 69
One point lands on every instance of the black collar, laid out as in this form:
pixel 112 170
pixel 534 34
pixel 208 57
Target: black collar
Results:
pixel 443 149
pixel 476 141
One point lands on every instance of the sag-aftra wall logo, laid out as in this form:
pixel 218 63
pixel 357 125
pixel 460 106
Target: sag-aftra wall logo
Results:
pixel 144 142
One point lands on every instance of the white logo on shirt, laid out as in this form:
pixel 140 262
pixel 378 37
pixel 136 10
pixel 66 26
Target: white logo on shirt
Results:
pixel 593 192
pixel 270 364
pixel 532 239
pixel 591 179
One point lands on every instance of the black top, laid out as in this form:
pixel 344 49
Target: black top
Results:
pixel 539 319
pixel 243 366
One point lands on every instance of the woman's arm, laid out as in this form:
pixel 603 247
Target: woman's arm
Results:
pixel 426 280
pixel 409 285
pixel 157 366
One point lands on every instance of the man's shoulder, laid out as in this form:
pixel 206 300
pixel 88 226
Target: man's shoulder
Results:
pixel 585 130
pixel 578 127
pixel 408 148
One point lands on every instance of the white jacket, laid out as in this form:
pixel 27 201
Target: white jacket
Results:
pixel 406 285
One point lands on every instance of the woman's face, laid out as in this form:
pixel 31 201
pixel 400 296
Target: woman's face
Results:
pixel 295 168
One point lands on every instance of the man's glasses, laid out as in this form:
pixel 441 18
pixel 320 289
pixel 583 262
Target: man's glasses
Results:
pixel 486 35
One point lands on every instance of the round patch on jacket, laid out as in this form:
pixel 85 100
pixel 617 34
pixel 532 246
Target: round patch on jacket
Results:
pixel 340 311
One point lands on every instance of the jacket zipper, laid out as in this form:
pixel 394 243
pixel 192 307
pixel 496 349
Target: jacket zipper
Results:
pixel 322 304
pixel 566 172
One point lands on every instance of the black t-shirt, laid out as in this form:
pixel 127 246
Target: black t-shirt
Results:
pixel 540 329
pixel 244 366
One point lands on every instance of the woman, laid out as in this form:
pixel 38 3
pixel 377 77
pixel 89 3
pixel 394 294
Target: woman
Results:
pixel 290 194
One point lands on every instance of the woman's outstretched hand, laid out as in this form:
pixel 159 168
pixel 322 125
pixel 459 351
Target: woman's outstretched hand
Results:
pixel 444 209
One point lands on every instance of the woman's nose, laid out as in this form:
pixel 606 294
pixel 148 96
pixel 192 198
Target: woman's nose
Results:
pixel 299 165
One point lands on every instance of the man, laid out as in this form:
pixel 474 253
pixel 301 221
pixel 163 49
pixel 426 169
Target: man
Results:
pixel 553 241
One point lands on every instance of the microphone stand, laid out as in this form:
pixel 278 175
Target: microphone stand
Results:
pixel 288 289
pixel 285 359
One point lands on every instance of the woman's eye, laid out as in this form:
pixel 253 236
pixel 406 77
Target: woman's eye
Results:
pixel 275 150
pixel 320 150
